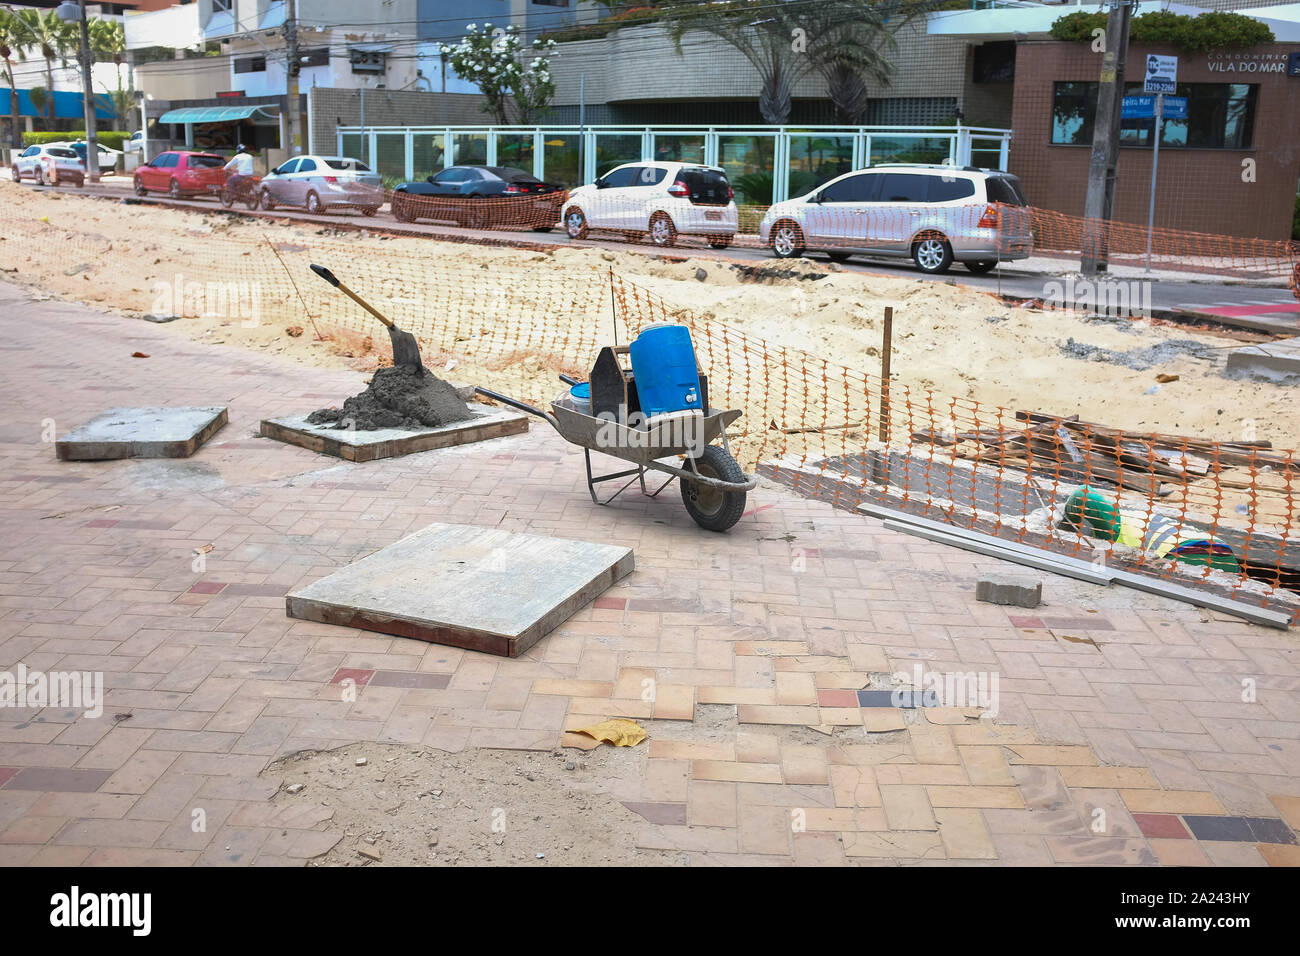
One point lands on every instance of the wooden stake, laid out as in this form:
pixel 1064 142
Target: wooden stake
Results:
pixel 885 349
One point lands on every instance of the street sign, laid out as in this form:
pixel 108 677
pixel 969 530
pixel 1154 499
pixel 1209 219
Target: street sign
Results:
pixel 1161 74
pixel 1293 65
pixel 1144 107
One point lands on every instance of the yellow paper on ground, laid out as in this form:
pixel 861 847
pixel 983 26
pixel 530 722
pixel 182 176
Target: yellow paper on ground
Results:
pixel 617 731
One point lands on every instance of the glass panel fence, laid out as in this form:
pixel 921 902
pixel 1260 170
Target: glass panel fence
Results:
pixel 748 161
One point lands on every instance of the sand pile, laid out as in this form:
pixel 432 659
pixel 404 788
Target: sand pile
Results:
pixel 397 397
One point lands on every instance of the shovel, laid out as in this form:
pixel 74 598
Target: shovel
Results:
pixel 406 351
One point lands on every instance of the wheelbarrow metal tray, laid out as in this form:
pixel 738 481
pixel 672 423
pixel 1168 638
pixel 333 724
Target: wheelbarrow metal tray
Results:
pixel 641 446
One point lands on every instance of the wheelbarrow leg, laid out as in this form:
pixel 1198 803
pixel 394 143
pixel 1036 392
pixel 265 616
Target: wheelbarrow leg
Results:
pixel 637 474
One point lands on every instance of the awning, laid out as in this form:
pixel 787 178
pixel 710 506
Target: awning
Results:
pixel 214 114
pixel 67 105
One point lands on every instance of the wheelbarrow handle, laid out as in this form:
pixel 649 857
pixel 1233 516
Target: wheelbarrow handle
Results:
pixel 522 406
pixel 569 379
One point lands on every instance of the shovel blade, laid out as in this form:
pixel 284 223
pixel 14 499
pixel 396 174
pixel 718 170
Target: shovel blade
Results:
pixel 406 351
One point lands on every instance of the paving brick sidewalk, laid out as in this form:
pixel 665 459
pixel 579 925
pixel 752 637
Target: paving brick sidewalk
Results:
pixel 1127 730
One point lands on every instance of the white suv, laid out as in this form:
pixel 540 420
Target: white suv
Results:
pixel 48 163
pixel 934 215
pixel 663 199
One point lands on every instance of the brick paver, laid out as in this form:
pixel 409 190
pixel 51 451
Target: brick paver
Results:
pixel 743 663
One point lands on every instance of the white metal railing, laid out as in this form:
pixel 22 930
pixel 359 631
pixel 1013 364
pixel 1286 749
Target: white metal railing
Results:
pixel 711 145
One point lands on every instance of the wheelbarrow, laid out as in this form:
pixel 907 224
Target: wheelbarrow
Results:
pixel 712 482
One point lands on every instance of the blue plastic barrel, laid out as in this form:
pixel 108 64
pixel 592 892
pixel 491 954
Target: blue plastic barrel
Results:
pixel 663 364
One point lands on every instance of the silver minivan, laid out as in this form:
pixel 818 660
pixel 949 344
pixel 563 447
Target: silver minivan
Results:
pixel 933 214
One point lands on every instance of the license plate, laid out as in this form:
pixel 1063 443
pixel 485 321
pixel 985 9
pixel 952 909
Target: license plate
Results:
pixel 714 215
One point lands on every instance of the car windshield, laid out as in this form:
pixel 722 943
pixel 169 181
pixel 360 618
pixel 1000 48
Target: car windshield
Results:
pixel 512 175
pixel 199 161
pixel 347 164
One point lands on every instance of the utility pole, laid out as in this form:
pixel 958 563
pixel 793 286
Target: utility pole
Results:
pixel 293 67
pixel 67 12
pixel 1100 201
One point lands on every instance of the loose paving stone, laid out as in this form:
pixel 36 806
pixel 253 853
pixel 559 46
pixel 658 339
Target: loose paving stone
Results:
pixel 156 432
pixel 445 584
pixel 357 445
pixel 1014 589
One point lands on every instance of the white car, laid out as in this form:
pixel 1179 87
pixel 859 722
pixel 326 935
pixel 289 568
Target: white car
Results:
pixel 135 143
pixel 663 199
pixel 319 183
pixel 42 163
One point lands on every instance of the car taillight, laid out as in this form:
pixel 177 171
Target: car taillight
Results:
pixel 331 179
pixel 679 189
pixel 513 189
pixel 731 193
pixel 990 218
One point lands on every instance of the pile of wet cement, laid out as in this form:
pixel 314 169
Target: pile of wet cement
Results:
pixel 397 397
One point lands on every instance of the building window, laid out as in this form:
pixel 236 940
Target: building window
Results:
pixel 366 61
pixel 316 57
pixel 222 6
pixel 550 3
pixel 250 64
pixel 1219 116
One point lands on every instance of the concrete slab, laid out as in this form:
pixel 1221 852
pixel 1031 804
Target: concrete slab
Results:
pixel 484 589
pixel 353 445
pixel 1272 361
pixel 142 433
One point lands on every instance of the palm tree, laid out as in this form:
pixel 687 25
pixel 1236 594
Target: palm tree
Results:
pixel 107 41
pixel 55 39
pixel 13 42
pixel 845 41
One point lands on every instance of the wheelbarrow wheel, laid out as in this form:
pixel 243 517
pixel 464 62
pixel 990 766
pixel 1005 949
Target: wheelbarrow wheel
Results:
pixel 712 508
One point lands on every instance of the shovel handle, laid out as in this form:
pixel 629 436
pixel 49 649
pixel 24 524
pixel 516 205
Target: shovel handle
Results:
pixel 334 281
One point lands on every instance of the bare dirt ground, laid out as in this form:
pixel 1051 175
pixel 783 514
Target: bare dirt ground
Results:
pixel 953 340
pixel 408 806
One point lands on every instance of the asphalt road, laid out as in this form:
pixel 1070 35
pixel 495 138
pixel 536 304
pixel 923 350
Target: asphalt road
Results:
pixel 1165 295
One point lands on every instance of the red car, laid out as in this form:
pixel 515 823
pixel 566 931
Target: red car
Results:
pixel 181 174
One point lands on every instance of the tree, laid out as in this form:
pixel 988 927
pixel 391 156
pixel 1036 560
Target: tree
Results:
pixel 490 58
pixel 55 39
pixel 846 41
pixel 13 46
pixel 108 43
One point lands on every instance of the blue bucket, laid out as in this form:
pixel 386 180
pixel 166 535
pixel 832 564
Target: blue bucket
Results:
pixel 663 364
pixel 581 395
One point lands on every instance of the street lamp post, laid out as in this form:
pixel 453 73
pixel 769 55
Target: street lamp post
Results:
pixel 70 11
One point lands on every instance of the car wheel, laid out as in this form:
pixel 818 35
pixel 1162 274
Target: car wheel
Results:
pixel 932 254
pixel 369 210
pixel 720 242
pixel 787 239
pixel 542 228
pixel 713 508
pixel 314 204
pixel 40 176
pixel 13 171
pixel 174 189
pixel 79 182
pixel 402 210
pixel 139 187
pixel 982 266
pixel 473 217
pixel 575 223
pixel 267 202
pixel 662 231
pixel 838 256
